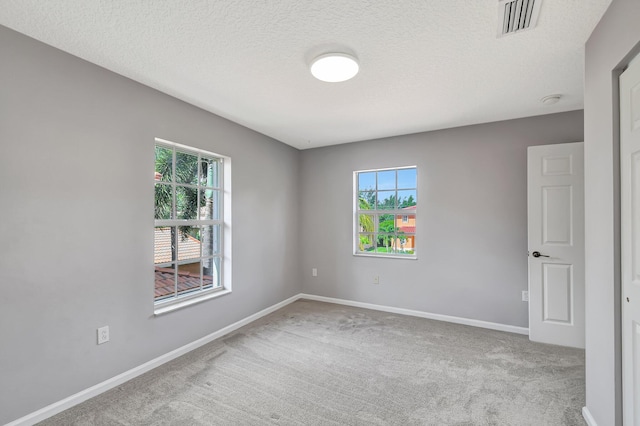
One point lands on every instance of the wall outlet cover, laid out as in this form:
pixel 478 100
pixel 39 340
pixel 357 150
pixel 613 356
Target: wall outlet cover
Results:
pixel 103 334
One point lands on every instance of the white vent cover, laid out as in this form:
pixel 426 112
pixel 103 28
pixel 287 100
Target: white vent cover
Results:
pixel 517 15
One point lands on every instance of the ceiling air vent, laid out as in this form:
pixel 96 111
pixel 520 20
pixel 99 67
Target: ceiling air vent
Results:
pixel 517 15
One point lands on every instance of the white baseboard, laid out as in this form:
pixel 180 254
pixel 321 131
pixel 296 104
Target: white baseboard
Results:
pixel 421 314
pixel 588 417
pixel 57 407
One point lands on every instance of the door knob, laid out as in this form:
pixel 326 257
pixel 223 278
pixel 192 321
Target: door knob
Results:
pixel 537 254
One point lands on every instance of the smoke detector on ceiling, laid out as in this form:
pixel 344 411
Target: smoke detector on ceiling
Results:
pixel 517 15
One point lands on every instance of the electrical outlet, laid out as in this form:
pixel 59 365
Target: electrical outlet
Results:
pixel 376 279
pixel 314 272
pixel 103 334
pixel 525 296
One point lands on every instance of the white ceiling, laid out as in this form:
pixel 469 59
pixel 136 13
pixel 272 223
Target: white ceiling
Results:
pixel 424 64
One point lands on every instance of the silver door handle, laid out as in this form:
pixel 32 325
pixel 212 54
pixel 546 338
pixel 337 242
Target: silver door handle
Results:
pixel 537 254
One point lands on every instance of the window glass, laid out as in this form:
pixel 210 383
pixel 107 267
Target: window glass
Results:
pixel 209 172
pixel 387 180
pixel 386 200
pixel 164 164
pixel 188 236
pixel 367 181
pixel 407 198
pixel 386 210
pixel 407 178
pixel 186 168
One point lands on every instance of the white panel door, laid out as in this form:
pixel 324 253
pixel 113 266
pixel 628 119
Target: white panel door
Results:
pixel 556 243
pixel 630 223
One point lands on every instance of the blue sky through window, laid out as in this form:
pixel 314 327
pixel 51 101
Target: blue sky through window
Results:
pixel 387 180
pixel 407 178
pixel 366 181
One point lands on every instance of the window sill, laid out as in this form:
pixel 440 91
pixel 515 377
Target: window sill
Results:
pixel 163 308
pixel 387 256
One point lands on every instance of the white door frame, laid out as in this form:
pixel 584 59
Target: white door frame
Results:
pixel 629 92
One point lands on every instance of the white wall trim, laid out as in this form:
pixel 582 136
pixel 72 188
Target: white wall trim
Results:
pixel 57 407
pixel 421 314
pixel 586 414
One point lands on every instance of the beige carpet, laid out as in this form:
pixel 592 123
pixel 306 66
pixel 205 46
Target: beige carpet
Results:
pixel 314 363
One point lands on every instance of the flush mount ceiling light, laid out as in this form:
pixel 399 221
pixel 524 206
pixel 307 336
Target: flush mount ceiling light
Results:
pixel 334 67
pixel 551 99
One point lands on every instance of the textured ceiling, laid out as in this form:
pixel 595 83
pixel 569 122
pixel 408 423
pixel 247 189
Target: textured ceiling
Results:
pixel 424 64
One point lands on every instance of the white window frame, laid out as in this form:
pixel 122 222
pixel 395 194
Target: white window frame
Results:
pixel 376 213
pixel 224 188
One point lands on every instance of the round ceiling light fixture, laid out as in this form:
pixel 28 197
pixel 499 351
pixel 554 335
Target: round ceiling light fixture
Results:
pixel 334 67
pixel 551 99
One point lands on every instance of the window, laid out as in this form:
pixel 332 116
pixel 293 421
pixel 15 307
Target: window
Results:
pixel 385 212
pixel 190 210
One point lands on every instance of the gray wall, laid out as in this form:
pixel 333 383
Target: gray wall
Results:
pixel 76 223
pixel 76 220
pixel 472 221
pixel 609 49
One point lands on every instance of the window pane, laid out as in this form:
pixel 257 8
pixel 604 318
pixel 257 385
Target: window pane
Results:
pixel 367 181
pixel 188 242
pixel 189 277
pixel 406 223
pixel 186 168
pixel 366 223
pixel 386 223
pixel 206 204
pixel 165 283
pixel 211 240
pixel 386 200
pixel 385 243
pixel 407 178
pixel 387 179
pixel 163 201
pixel 209 172
pixel 406 227
pixel 164 246
pixel 365 243
pixel 217 239
pixel 164 164
pixel 187 202
pixel 366 200
pixel 209 204
pixel 406 243
pixel 211 272
pixel 407 198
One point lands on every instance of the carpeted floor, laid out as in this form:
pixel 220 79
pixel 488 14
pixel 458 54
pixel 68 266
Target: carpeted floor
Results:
pixel 314 363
